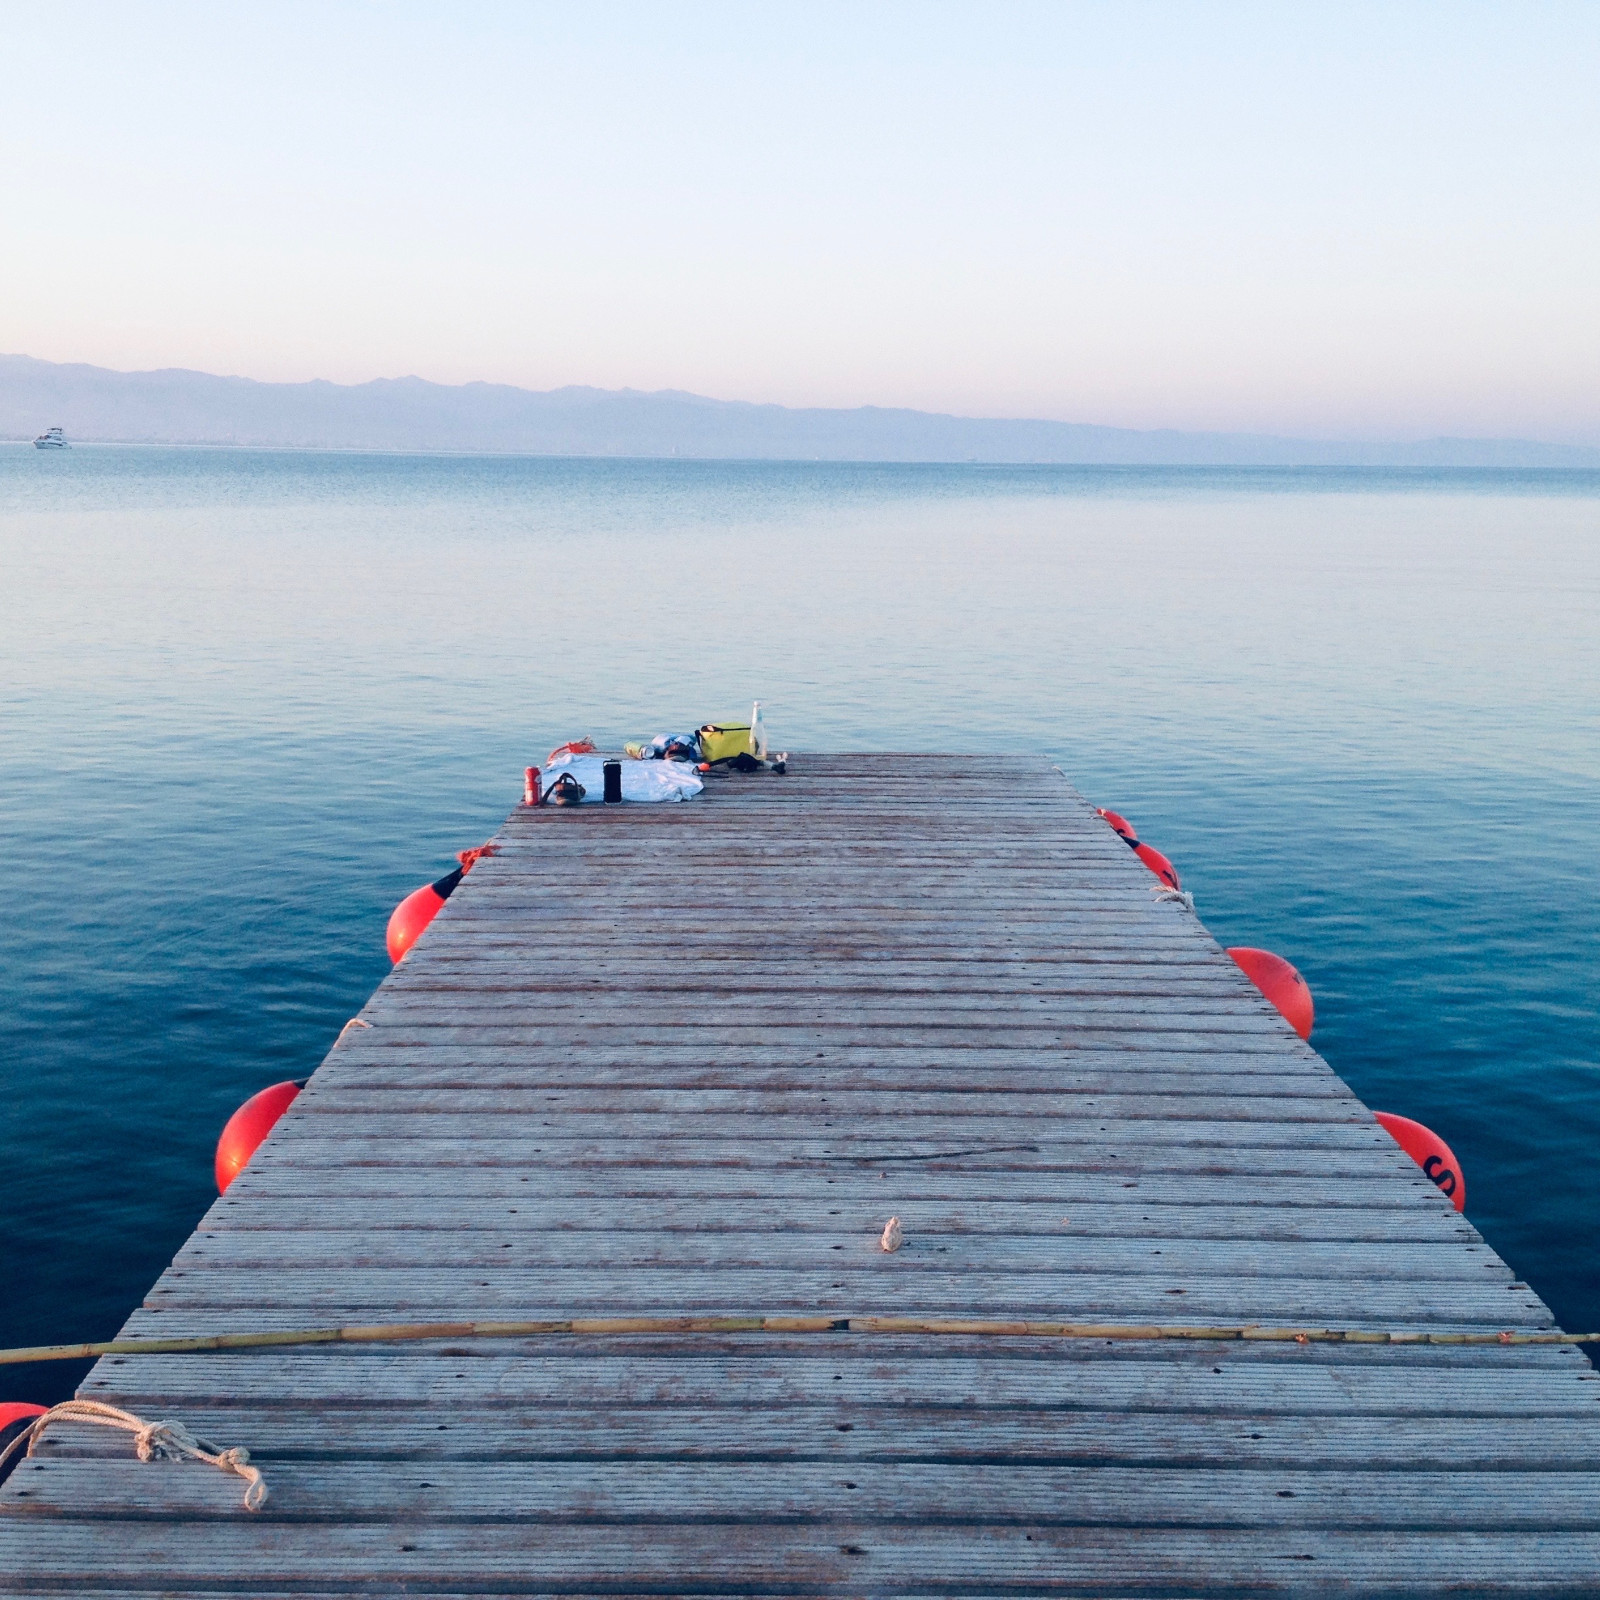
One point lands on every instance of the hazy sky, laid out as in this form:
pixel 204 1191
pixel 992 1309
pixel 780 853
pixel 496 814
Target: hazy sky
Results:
pixel 1367 220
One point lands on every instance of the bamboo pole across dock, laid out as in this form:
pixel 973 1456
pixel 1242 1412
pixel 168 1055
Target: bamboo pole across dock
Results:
pixel 982 1327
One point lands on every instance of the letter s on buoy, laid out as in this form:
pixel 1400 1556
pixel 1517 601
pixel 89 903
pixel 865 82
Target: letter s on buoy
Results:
pixel 1430 1152
pixel 1435 1169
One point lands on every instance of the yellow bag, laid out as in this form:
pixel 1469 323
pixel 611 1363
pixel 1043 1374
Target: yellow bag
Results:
pixel 721 741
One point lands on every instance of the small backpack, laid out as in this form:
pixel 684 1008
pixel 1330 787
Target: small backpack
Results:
pixel 722 741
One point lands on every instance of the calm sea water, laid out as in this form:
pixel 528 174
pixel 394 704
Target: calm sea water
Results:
pixel 251 698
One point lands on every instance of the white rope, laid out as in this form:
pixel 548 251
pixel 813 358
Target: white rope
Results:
pixel 1178 897
pixel 152 1441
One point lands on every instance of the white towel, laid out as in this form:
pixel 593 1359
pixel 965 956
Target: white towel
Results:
pixel 641 780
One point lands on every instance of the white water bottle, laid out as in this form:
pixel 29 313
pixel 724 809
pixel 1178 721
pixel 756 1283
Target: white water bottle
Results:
pixel 758 733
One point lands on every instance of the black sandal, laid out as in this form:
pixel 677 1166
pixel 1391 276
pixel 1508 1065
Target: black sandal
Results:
pixel 565 791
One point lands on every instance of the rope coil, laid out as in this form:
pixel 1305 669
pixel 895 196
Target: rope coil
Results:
pixel 152 1441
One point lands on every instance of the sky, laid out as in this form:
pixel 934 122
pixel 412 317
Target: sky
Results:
pixel 1373 221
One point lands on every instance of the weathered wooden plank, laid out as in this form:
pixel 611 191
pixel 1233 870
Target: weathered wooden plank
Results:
pixel 851 1212
pixel 1123 889
pixel 691 1172
pixel 449 1291
pixel 1089 906
pixel 808 985
pixel 830 957
pixel 821 948
pixel 514 967
pixel 447 1108
pixel 509 1249
pixel 1061 1383
pixel 640 1034
pixel 841 917
pixel 872 1493
pixel 840 982
pixel 870 947
pixel 510 1008
pixel 1245 1148
pixel 371 1050
pixel 377 1084
pixel 730 1557
pixel 265 1183
pixel 426 1431
pixel 1362 1176
pixel 1336 1129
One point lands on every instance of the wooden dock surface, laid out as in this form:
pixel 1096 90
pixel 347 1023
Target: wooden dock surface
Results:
pixel 691 1058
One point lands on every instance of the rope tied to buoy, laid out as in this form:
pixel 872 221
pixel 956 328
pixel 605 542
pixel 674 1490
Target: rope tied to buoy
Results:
pixel 152 1441
pixel 468 858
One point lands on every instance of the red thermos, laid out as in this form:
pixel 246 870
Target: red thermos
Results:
pixel 530 786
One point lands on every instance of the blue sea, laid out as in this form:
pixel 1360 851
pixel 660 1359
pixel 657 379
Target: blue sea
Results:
pixel 251 698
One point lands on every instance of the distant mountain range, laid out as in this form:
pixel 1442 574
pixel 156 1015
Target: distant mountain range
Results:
pixel 174 406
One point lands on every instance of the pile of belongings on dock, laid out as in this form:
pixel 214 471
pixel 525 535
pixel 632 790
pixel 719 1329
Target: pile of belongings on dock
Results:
pixel 667 767
pixel 740 746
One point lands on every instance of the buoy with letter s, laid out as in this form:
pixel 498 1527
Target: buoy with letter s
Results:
pixel 1430 1152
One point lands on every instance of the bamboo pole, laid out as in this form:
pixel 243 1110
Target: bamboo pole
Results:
pixel 1111 1332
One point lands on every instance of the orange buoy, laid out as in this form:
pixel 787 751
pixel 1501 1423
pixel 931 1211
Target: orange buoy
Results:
pixel 15 1417
pixel 1278 980
pixel 1430 1152
pixel 248 1126
pixel 1157 863
pixel 411 917
pixel 1119 825
pixel 1147 853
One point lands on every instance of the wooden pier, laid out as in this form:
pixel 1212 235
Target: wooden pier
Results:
pixel 690 1059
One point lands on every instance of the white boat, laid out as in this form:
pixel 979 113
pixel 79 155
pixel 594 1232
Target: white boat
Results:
pixel 51 439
